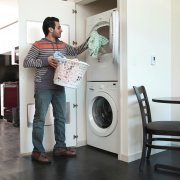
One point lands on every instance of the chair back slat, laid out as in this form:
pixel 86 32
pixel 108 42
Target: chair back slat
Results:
pixel 143 104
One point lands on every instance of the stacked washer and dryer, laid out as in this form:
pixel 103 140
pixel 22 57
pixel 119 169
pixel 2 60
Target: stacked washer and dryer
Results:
pixel 102 92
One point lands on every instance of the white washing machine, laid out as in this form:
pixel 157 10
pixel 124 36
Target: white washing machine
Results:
pixel 106 24
pixel 102 115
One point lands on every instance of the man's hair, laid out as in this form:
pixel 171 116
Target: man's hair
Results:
pixel 49 22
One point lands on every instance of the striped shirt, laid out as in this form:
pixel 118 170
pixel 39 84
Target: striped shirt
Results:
pixel 37 58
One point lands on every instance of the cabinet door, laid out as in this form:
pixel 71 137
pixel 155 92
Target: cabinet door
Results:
pixel 71 114
pixel 36 11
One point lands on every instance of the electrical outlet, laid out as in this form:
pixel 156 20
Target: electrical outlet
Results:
pixel 153 60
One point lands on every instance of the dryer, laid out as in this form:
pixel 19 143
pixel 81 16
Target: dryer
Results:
pixel 102 115
pixel 107 25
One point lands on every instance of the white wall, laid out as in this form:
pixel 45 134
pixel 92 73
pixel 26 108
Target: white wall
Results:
pixel 35 11
pixel 145 31
pixel 9 38
pixel 123 92
pixel 175 56
pixel 148 26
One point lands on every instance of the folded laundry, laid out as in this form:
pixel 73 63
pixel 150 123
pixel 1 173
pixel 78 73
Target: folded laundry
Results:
pixel 95 42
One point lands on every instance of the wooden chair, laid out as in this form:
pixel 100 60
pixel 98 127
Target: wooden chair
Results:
pixel 150 128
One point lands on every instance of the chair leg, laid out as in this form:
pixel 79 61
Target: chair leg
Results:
pixel 149 148
pixel 167 168
pixel 144 149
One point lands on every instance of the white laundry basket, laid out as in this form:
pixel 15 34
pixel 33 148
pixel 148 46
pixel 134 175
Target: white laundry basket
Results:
pixel 70 73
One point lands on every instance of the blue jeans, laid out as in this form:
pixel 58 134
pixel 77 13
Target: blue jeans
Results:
pixel 42 100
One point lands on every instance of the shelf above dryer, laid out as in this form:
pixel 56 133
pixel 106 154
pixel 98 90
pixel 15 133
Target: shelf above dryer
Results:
pixel 84 2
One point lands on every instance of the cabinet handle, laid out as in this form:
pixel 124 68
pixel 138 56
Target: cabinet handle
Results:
pixel 75 105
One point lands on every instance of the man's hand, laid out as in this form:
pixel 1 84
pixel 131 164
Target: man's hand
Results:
pixel 52 62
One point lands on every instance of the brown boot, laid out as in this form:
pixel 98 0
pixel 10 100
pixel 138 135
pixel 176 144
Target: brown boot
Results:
pixel 40 157
pixel 70 152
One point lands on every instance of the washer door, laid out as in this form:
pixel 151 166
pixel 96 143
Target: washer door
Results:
pixel 104 29
pixel 102 113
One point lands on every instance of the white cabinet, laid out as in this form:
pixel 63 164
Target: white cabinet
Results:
pixel 71 117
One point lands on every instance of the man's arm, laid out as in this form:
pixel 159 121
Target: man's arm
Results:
pixel 32 60
pixel 73 51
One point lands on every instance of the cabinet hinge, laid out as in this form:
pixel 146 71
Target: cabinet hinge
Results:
pixel 75 136
pixel 75 105
pixel 74 11
pixel 74 42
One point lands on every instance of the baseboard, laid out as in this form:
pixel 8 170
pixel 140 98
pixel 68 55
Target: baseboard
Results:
pixel 25 154
pixel 81 143
pixel 136 156
pixel 129 158
pixel 123 157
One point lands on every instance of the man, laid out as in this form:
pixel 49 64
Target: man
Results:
pixel 40 57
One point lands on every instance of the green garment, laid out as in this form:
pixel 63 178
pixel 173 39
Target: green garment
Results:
pixel 95 42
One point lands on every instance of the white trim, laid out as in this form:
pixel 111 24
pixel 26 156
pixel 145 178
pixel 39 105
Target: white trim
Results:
pixel 136 156
pixel 81 143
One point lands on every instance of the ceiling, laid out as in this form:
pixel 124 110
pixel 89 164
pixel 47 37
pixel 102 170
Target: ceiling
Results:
pixel 8 12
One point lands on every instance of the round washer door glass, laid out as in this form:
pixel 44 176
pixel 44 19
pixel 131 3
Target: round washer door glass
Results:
pixel 102 114
pixel 103 29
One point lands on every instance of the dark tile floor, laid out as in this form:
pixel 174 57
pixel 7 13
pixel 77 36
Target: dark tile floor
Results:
pixel 90 163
